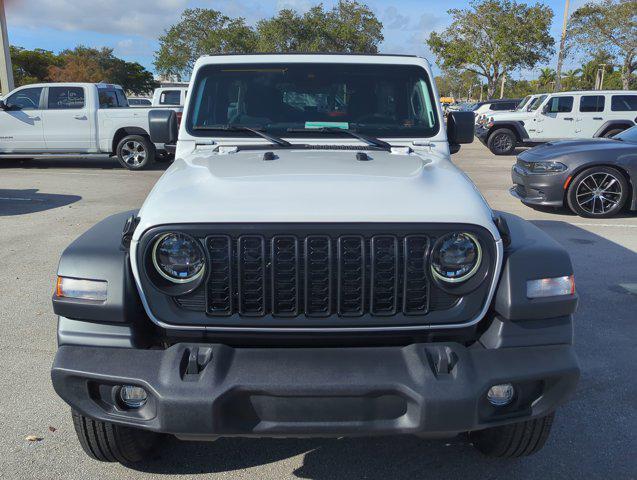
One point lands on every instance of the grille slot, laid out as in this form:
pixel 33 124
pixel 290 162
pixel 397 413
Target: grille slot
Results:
pixel 285 275
pixel 318 275
pixel 416 279
pixel 251 275
pixel 351 275
pixel 219 289
pixel 384 275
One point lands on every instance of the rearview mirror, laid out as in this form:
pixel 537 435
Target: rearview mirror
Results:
pixel 460 129
pixel 163 126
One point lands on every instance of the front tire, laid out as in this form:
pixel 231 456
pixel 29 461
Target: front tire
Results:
pixel 502 142
pixel 515 440
pixel 135 152
pixel 108 442
pixel 598 192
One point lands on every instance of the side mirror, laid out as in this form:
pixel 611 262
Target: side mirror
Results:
pixel 545 108
pixel 460 129
pixel 163 126
pixel 3 106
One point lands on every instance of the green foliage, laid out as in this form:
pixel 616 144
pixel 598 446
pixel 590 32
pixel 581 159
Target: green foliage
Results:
pixel 81 64
pixel 547 78
pixel 348 27
pixel 495 37
pixel 31 66
pixel 458 84
pixel 609 26
pixel 201 31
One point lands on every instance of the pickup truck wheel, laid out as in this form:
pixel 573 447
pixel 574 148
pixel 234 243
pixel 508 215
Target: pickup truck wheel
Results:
pixel 515 440
pixel 107 442
pixel 598 192
pixel 502 142
pixel 135 152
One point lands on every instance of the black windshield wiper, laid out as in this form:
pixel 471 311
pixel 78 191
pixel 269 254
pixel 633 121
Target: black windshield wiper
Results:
pixel 241 128
pixel 371 141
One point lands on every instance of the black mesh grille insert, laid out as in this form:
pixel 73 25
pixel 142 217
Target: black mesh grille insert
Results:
pixel 251 274
pixel 317 275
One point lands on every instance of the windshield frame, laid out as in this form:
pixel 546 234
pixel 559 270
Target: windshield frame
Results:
pixel 424 75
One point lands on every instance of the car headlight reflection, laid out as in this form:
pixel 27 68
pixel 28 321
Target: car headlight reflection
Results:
pixel 456 257
pixel 178 257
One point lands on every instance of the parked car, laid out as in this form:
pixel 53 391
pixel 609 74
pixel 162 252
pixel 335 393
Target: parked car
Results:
pixel 594 178
pixel 484 109
pixel 561 116
pixel 139 102
pixel 291 277
pixel 170 96
pixel 75 118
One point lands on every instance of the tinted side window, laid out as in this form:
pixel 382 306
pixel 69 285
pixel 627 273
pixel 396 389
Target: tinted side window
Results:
pixel 27 99
pixel 108 99
pixel 623 103
pixel 592 103
pixel 170 97
pixel 121 98
pixel 560 105
pixel 63 98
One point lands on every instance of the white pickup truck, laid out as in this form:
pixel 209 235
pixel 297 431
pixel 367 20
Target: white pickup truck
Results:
pixel 51 119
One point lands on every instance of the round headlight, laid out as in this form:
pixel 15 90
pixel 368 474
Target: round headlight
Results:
pixel 178 257
pixel 456 257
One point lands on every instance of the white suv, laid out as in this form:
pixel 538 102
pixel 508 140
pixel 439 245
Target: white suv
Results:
pixel 561 116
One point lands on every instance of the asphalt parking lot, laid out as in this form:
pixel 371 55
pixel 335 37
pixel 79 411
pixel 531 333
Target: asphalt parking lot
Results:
pixel 45 204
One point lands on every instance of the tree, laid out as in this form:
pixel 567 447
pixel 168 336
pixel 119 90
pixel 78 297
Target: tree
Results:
pixel 590 70
pixel 495 37
pixel 458 84
pixel 85 64
pixel 547 77
pixel 609 25
pixel 31 66
pixel 201 31
pixel 348 27
pixel 570 78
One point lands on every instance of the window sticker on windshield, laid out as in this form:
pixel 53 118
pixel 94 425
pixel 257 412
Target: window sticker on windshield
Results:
pixel 343 125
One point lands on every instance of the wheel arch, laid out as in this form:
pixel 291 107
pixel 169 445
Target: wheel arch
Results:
pixel 611 125
pixel 124 132
pixel 632 193
pixel 516 127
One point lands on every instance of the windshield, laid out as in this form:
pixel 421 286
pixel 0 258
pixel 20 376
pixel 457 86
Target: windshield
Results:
pixel 378 100
pixel 536 103
pixel 523 102
pixel 629 135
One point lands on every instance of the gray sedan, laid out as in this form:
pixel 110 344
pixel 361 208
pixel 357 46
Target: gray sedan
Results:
pixel 595 178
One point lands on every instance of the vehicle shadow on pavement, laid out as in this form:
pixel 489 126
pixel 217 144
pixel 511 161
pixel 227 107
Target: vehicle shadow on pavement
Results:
pixel 99 163
pixel 21 202
pixel 591 437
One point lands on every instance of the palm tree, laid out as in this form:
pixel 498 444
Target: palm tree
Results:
pixel 547 76
pixel 570 78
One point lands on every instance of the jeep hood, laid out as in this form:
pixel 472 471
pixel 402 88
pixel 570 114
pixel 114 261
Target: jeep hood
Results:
pixel 313 186
pixel 510 116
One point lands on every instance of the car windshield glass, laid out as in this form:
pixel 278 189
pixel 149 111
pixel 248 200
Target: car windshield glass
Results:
pixel 523 102
pixel 292 99
pixel 536 103
pixel 629 135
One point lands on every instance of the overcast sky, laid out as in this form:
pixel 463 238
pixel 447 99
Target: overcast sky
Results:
pixel 131 27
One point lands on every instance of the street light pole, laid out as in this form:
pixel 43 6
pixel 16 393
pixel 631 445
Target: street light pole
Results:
pixel 6 70
pixel 560 54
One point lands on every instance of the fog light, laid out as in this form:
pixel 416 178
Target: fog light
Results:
pixel 132 396
pixel 500 395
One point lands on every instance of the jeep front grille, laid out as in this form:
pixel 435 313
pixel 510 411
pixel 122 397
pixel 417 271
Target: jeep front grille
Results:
pixel 317 275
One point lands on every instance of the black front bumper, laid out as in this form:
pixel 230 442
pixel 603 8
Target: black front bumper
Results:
pixel 482 133
pixel 538 189
pixel 427 389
